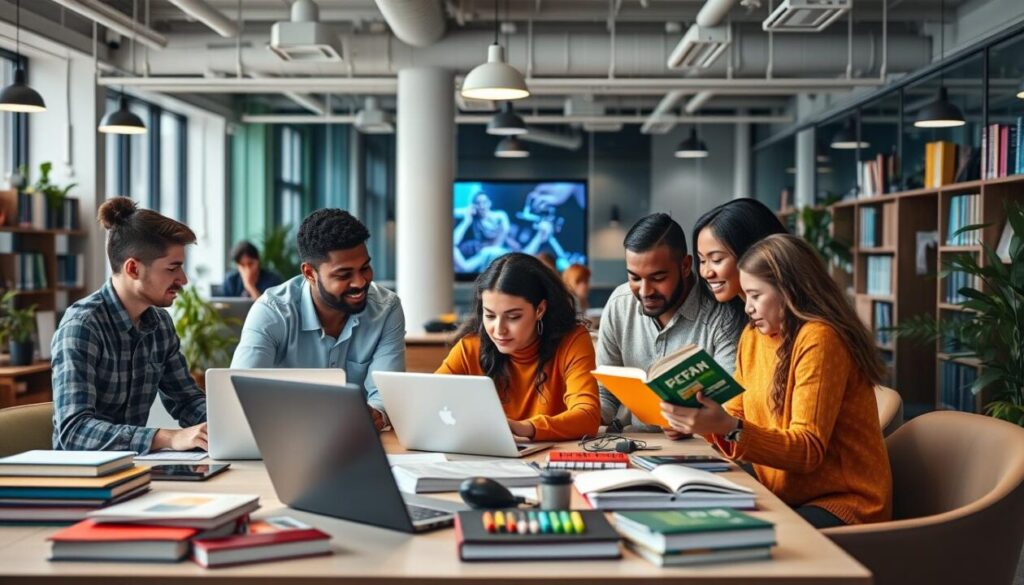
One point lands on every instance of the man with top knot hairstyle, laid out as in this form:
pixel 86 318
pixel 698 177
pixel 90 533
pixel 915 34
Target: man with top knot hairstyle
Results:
pixel 116 349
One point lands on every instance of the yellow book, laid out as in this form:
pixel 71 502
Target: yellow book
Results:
pixel 73 482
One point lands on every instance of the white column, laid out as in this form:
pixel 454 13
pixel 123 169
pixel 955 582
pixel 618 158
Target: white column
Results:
pixel 741 161
pixel 426 168
pixel 805 168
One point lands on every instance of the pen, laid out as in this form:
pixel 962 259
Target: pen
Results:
pixel 488 521
pixel 577 522
pixel 499 521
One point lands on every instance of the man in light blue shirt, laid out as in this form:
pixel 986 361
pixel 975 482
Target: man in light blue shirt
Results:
pixel 330 316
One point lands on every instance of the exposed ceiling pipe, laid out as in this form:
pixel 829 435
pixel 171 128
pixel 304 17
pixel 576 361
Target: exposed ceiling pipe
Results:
pixel 713 12
pixel 697 101
pixel 419 23
pixel 311 103
pixel 540 136
pixel 116 20
pixel 539 120
pixel 654 124
pixel 208 15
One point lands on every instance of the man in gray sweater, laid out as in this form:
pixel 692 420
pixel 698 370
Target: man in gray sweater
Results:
pixel 657 311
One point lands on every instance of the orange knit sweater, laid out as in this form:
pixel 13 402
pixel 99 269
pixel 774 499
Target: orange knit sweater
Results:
pixel 827 448
pixel 569 406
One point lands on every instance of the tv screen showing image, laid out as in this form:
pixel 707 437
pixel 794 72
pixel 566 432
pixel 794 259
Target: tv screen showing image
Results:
pixel 493 218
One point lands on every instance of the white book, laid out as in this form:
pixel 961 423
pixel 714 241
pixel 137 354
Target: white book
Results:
pixel 419 478
pixel 666 486
pixel 66 463
pixel 185 509
pixel 1003 249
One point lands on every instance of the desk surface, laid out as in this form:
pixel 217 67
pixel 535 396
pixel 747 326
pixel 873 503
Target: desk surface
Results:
pixel 364 554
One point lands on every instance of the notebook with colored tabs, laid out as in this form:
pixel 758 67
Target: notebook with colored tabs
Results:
pixel 560 536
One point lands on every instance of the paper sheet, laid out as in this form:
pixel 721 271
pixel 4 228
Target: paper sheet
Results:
pixel 173 456
pixel 406 458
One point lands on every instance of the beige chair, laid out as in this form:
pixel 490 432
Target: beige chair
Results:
pixel 23 428
pixel 958 504
pixel 890 409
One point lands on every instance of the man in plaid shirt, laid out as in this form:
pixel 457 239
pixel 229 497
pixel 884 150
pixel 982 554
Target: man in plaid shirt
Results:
pixel 116 349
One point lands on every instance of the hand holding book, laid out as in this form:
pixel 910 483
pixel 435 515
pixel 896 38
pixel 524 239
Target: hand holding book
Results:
pixel 709 419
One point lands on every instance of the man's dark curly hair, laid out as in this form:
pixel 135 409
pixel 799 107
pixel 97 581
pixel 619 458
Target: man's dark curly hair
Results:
pixel 327 230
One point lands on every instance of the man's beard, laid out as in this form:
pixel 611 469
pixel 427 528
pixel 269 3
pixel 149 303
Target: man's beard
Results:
pixel 338 303
pixel 677 294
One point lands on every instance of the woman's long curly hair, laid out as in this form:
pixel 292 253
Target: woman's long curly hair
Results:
pixel 523 276
pixel 792 267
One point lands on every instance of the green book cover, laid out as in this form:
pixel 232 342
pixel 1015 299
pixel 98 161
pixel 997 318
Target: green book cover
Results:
pixel 696 520
pixel 699 372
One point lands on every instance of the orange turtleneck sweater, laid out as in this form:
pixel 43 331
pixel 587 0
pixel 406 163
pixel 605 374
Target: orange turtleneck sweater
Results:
pixel 569 406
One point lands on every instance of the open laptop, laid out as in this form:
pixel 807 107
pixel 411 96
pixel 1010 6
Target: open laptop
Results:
pixel 229 434
pixel 324 455
pixel 449 414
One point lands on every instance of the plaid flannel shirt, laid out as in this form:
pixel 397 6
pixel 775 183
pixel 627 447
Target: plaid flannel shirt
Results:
pixel 107 372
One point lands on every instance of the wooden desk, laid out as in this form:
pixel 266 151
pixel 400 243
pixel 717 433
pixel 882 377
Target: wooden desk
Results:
pixel 363 554
pixel 424 352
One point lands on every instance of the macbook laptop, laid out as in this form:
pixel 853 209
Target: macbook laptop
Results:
pixel 324 455
pixel 449 414
pixel 228 432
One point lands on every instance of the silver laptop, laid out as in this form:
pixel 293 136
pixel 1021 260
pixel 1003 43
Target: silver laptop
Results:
pixel 228 432
pixel 324 455
pixel 449 414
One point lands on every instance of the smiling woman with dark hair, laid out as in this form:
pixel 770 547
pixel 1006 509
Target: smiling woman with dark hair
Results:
pixel 525 335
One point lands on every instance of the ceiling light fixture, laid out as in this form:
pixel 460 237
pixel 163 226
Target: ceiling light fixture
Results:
pixel 692 147
pixel 846 138
pixel 19 97
pixel 123 120
pixel 510 147
pixel 506 122
pixel 495 80
pixel 940 113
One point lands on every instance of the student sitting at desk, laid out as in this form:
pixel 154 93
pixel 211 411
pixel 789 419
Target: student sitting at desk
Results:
pixel 250 279
pixel 525 335
pixel 116 349
pixel 332 315
pixel 808 421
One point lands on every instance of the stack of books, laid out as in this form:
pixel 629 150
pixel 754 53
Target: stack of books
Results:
pixel 446 476
pixel 158 526
pixel 688 537
pixel 664 487
pixel 280 537
pixel 65 486
pixel 876 175
pixel 964 210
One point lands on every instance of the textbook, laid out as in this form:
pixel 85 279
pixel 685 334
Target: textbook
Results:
pixel 42 511
pixel 705 462
pixel 671 531
pixel 598 540
pixel 187 509
pixel 41 463
pixel 279 537
pixel 666 487
pixel 92 541
pixel 701 556
pixel 446 476
pixel 74 488
pixel 675 378
pixel 586 460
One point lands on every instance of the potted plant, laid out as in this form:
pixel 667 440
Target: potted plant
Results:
pixel 278 252
pixel 815 222
pixel 17 326
pixel 993 333
pixel 54 195
pixel 206 339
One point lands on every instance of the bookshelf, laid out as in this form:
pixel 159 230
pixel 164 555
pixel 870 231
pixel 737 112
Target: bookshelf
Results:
pixel 46 268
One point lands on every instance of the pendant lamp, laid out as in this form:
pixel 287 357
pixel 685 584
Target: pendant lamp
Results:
pixel 692 147
pixel 495 80
pixel 123 120
pixel 19 97
pixel 940 113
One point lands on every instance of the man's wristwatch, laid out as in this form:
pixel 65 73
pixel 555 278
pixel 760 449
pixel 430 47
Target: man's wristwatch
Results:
pixel 734 435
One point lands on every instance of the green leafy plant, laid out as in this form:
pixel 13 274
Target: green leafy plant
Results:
pixel 205 336
pixel 992 331
pixel 54 195
pixel 16 324
pixel 278 252
pixel 815 223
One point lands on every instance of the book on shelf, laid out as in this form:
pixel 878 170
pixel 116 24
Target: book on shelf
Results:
pixel 705 462
pixel 270 539
pixel 879 275
pixel 421 478
pixel 66 463
pixel 671 531
pixel 666 486
pixel 940 163
pixel 881 322
pixel 675 378
pixel 954 282
pixel 1002 146
pixel 1003 248
pixel 876 175
pixel 586 460
pixel 599 540
pixel 955 381
pixel 89 540
pixel 30 209
pixel 877 226
pixel 188 509
pixel 964 211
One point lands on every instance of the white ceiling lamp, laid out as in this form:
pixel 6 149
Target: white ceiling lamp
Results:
pixel 495 80
pixel 846 138
pixel 123 120
pixel 372 120
pixel 805 15
pixel 699 47
pixel 19 97
pixel 692 147
pixel 940 113
pixel 510 147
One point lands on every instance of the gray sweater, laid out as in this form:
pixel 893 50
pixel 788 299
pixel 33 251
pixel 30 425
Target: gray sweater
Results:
pixel 631 339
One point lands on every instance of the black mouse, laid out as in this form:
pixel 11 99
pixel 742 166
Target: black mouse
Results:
pixel 485 493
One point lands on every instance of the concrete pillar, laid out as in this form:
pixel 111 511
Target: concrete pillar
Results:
pixel 805 168
pixel 426 168
pixel 741 162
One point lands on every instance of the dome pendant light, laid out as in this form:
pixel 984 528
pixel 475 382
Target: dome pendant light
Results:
pixel 510 147
pixel 506 122
pixel 1020 90
pixel 692 147
pixel 846 138
pixel 123 120
pixel 495 80
pixel 940 113
pixel 19 97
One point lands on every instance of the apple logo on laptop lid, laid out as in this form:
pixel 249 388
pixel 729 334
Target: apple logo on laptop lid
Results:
pixel 446 416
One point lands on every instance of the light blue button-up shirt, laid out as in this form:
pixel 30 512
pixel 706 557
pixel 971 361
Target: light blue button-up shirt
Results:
pixel 283 330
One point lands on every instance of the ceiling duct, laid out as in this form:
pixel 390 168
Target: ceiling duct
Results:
pixel 578 105
pixel 304 38
pixel 699 47
pixel 372 120
pixel 116 20
pixel 805 15
pixel 419 23
pixel 208 15
pixel 571 141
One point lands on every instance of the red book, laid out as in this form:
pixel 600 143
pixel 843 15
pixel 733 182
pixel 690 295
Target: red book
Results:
pixel 281 537
pixel 89 541
pixel 587 460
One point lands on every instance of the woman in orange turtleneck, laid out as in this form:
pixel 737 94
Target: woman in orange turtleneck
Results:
pixel 525 335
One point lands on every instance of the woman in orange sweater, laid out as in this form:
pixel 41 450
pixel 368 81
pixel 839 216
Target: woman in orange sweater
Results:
pixel 807 421
pixel 524 334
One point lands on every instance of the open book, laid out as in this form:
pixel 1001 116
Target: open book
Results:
pixel 675 378
pixel 667 486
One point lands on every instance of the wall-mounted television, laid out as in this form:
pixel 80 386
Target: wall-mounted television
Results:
pixel 495 217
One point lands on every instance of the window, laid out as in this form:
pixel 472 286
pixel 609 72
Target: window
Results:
pixel 289 182
pixel 13 127
pixel 150 168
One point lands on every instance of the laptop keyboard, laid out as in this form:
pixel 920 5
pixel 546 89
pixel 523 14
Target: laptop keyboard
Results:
pixel 418 513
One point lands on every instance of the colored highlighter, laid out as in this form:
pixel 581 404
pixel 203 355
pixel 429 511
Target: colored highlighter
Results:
pixel 534 524
pixel 488 521
pixel 499 521
pixel 510 522
pixel 545 524
pixel 577 522
pixel 523 524
pixel 556 525
pixel 566 522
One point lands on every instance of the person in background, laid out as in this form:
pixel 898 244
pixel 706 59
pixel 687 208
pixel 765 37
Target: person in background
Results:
pixel 808 421
pixel 657 311
pixel 249 279
pixel 332 315
pixel 524 333
pixel 577 279
pixel 116 350
pixel 547 259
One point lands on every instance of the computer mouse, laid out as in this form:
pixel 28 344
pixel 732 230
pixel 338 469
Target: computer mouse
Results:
pixel 485 493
